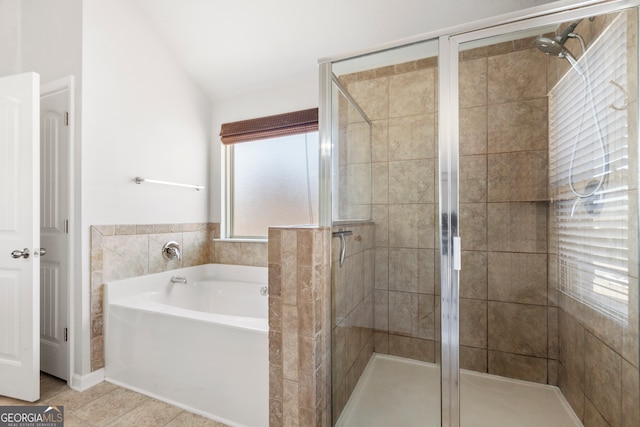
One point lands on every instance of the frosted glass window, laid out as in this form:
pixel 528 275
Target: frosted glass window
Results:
pixel 274 183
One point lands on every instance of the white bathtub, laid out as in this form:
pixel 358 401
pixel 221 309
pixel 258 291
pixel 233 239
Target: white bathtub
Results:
pixel 202 346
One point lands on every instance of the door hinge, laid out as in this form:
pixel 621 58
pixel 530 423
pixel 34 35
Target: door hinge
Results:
pixel 66 226
pixel 66 334
pixel 66 118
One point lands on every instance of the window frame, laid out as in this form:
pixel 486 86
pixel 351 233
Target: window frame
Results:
pixel 253 130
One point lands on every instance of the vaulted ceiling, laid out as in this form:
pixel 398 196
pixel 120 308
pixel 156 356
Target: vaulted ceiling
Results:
pixel 231 47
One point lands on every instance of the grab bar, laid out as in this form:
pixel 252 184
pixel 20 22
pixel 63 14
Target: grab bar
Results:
pixel 343 243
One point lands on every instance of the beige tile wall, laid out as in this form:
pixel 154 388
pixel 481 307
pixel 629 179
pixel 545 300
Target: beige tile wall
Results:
pixel 123 251
pixel 507 323
pixel 299 327
pixel 401 102
pixel 352 315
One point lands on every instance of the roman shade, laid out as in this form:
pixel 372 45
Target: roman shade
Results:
pixel 297 122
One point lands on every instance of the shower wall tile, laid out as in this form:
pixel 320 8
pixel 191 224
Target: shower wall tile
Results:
pixel 381 321
pixel 473 83
pixel 381 342
pixel 553 335
pixel 473 359
pixel 380 216
pixel 358 150
pixel 500 48
pixel 355 309
pixel 517 126
pixel 412 348
pixel 404 210
pixel 572 348
pixel 517 366
pixel 412 93
pixel 473 179
pixel 411 181
pixel 516 76
pixel 475 282
pixel 630 341
pixel 380 183
pixel 553 367
pixel 427 225
pixel 403 224
pixel 518 277
pixel 412 137
pixel 630 395
pixel 426 317
pixel 517 328
pixel 603 386
pixel 426 271
pixel 382 268
pixel 592 417
pixel 373 98
pixel 473 323
pixel 473 130
pixel 517 227
pixel 519 176
pixel 403 269
pixel 380 141
pixel 473 220
pixel 401 313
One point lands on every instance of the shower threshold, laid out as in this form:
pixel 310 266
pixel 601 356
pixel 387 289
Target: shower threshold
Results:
pixel 394 391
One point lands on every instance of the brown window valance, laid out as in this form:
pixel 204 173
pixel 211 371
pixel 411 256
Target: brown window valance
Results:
pixel 270 127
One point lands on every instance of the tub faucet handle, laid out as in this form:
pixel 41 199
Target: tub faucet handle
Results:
pixel 171 250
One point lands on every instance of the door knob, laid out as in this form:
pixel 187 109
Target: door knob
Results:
pixel 20 253
pixel 41 252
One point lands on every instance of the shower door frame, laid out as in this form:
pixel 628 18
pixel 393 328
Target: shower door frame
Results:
pixel 449 138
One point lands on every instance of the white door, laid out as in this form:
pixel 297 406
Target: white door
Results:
pixel 54 237
pixel 20 236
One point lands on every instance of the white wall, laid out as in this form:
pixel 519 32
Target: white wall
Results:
pixel 10 24
pixel 142 116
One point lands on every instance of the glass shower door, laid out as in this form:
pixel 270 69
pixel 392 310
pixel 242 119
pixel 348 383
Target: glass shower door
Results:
pixel 384 219
pixel 547 155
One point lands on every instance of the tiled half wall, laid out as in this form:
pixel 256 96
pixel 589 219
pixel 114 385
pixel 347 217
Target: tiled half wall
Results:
pixel 124 251
pixel 299 327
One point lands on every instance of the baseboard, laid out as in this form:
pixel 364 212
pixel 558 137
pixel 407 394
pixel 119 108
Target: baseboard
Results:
pixel 84 382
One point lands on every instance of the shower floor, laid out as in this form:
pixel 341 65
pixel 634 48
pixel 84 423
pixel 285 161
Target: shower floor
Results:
pixel 401 392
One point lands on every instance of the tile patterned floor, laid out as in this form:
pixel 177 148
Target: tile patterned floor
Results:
pixel 109 405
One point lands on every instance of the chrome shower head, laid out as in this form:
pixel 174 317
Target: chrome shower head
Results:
pixel 556 47
pixel 551 46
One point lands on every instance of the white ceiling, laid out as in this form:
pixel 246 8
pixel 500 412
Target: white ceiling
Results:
pixel 231 47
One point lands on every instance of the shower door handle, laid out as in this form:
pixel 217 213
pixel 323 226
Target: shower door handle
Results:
pixel 343 243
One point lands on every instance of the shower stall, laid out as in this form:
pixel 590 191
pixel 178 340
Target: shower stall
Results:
pixel 481 187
